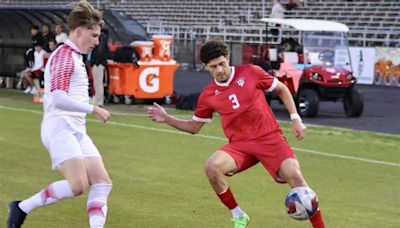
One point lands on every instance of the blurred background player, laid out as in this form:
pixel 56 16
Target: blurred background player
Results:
pixel 238 95
pixel 52 46
pixel 47 36
pixel 36 36
pixel 29 75
pixel 98 63
pixel 66 103
pixel 61 36
pixel 278 12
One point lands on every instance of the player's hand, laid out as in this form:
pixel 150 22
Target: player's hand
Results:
pixel 157 113
pixel 298 129
pixel 101 114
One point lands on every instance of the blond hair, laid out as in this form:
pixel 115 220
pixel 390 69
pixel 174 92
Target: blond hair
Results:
pixel 84 14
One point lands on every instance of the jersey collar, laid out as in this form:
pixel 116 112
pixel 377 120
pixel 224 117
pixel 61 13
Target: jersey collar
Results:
pixel 73 46
pixel 229 80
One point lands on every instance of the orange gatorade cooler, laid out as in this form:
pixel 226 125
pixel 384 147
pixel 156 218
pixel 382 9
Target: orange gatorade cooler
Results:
pixel 145 49
pixel 144 82
pixel 162 47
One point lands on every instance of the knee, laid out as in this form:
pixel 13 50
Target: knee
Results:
pixel 290 172
pixel 79 186
pixel 211 167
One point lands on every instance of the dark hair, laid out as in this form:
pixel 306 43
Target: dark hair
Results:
pixel 35 27
pixel 213 49
pixel 84 14
pixel 105 31
pixel 38 41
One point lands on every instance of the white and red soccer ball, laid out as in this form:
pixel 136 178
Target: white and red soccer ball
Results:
pixel 301 203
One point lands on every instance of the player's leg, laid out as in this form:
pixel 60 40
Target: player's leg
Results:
pixel 290 172
pixel 24 79
pixel 100 188
pixel 99 181
pixel 217 167
pixel 65 153
pixel 98 78
pixel 282 164
pixel 74 184
pixel 29 79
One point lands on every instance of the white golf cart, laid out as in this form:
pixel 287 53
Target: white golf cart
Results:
pixel 311 57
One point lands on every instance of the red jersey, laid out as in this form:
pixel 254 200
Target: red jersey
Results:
pixel 241 102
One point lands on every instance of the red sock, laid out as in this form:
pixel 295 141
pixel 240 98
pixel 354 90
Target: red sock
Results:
pixel 317 220
pixel 228 199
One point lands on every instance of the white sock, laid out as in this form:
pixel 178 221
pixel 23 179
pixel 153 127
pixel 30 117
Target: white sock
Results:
pixel 54 192
pixel 97 204
pixel 237 212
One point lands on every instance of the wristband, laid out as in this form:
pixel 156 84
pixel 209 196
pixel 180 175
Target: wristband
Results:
pixel 295 116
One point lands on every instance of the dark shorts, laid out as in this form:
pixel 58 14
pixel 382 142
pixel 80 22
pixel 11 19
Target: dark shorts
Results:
pixel 36 73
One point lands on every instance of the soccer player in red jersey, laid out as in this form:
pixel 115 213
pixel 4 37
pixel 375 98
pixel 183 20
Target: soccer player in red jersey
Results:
pixel 238 95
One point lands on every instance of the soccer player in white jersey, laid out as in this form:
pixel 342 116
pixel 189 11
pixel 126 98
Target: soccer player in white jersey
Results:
pixel 63 131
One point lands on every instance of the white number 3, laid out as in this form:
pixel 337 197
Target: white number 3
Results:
pixel 234 100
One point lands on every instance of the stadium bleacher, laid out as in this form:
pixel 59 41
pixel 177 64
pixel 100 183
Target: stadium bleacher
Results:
pixel 371 22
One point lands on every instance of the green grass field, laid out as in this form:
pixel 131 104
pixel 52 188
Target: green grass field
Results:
pixel 159 180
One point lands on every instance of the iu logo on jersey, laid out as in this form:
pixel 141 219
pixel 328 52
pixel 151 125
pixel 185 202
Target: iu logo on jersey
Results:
pixel 240 81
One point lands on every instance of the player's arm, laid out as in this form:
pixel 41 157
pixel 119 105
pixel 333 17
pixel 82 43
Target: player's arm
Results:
pixel 271 84
pixel 61 69
pixel 62 101
pixel 158 114
pixel 298 128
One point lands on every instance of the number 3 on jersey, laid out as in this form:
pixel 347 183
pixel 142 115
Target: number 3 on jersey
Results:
pixel 234 101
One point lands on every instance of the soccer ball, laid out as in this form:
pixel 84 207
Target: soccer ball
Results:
pixel 301 203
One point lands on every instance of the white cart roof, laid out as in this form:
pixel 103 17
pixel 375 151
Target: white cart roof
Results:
pixel 309 24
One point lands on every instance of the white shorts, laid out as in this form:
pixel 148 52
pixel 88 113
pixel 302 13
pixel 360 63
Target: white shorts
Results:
pixel 64 142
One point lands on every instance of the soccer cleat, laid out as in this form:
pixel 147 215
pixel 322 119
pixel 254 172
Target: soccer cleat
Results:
pixel 28 90
pixel 241 222
pixel 16 216
pixel 33 91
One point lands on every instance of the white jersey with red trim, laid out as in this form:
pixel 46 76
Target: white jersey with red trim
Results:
pixel 66 71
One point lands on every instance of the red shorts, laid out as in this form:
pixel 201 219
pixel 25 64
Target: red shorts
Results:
pixel 271 151
pixel 36 73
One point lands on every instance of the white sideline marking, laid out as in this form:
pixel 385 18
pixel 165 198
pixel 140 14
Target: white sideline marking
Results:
pixel 217 138
pixel 21 110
